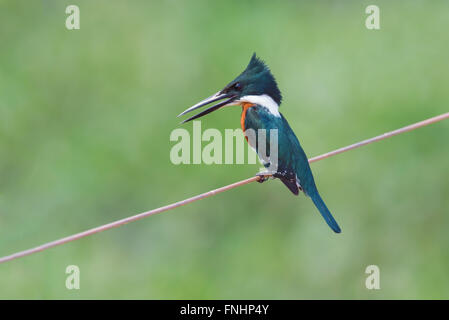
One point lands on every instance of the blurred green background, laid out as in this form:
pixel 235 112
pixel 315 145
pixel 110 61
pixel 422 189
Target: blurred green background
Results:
pixel 85 120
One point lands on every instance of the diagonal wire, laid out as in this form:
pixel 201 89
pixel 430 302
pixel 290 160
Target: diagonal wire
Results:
pixel 142 215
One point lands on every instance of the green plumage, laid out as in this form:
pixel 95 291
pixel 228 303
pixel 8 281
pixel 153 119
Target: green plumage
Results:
pixel 293 166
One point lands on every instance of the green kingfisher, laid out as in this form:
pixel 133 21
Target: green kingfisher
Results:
pixel 257 92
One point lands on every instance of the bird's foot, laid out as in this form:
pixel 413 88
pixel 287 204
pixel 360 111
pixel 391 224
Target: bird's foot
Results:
pixel 264 176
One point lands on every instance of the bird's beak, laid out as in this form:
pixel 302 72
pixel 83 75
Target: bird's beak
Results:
pixel 216 97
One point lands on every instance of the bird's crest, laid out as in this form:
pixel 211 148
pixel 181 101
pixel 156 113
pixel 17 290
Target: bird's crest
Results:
pixel 259 73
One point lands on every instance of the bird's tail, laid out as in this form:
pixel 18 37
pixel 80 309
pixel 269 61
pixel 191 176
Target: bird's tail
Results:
pixel 319 203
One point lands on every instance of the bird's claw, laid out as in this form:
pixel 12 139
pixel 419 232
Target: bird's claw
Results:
pixel 264 176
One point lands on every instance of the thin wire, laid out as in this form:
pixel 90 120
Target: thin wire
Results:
pixel 142 215
pixel 381 137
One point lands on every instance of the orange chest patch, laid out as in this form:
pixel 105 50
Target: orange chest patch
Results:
pixel 245 107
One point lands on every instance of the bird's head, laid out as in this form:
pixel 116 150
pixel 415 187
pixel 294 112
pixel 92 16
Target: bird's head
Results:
pixel 255 84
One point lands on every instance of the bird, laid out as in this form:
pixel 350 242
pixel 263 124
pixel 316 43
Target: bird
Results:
pixel 257 92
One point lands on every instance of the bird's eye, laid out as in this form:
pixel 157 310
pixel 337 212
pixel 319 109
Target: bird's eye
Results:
pixel 237 86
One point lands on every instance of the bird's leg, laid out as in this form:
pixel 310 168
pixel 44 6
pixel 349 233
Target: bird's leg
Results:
pixel 264 176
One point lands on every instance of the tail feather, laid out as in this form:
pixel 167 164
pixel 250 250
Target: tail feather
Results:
pixel 321 206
